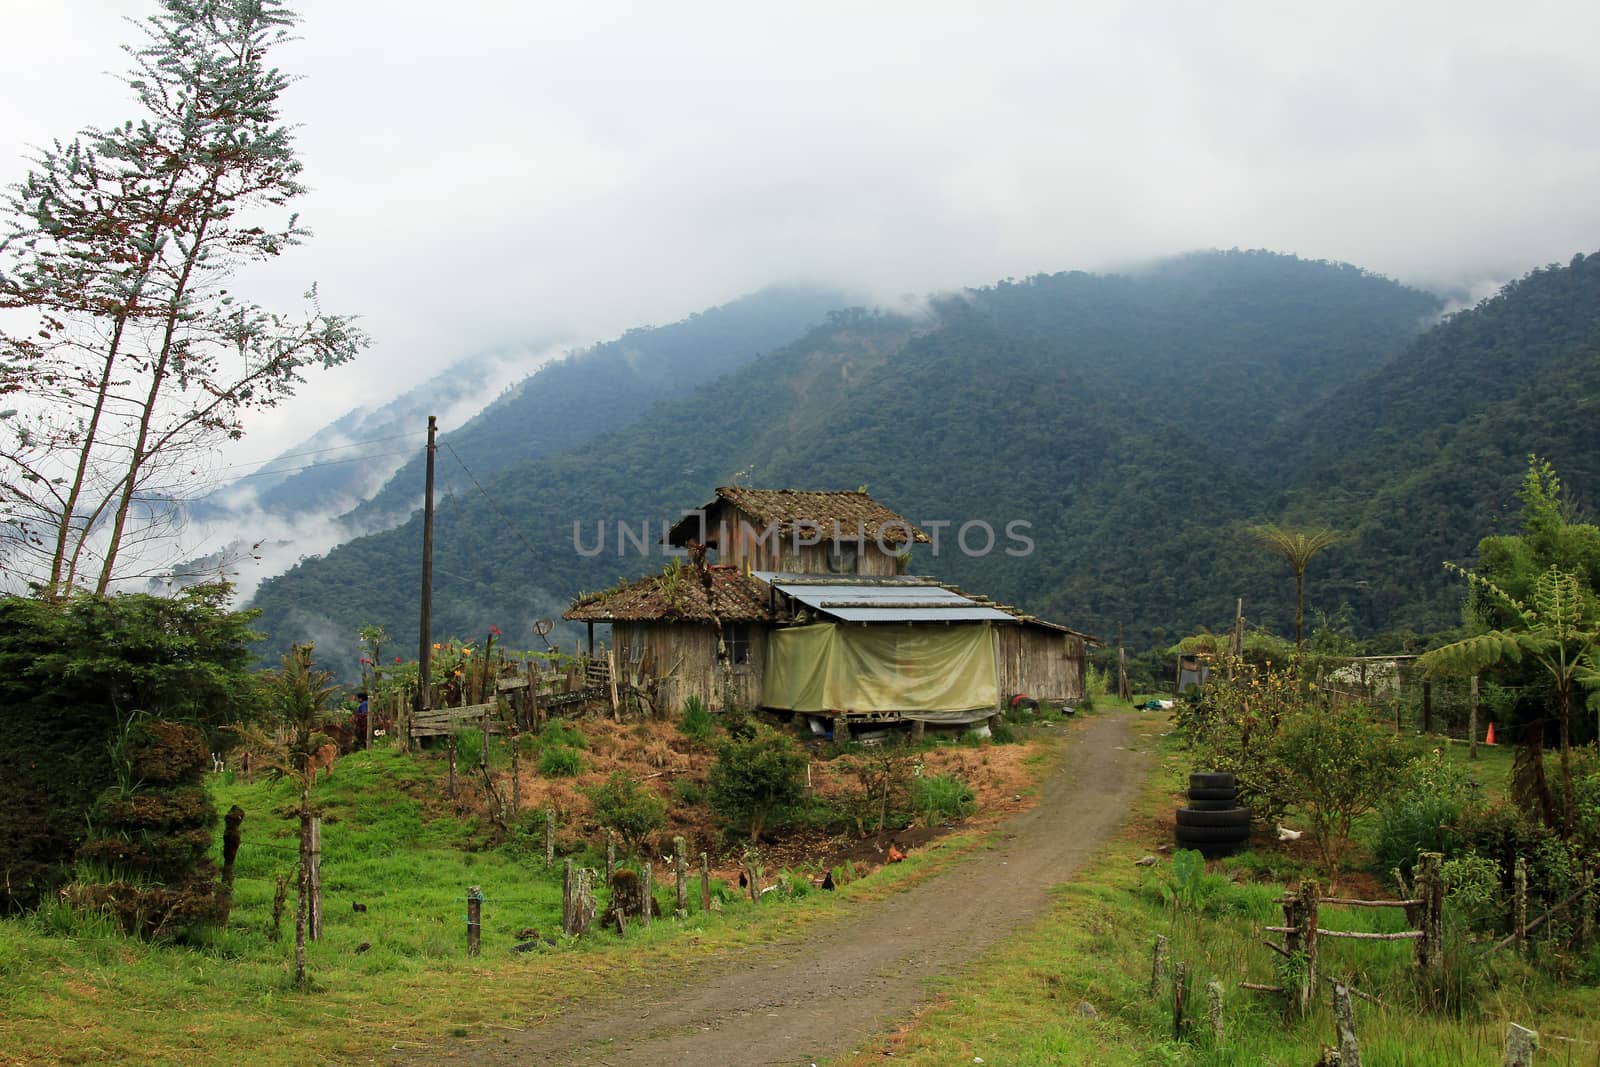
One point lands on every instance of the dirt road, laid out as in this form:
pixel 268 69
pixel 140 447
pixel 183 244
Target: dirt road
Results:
pixel 802 1001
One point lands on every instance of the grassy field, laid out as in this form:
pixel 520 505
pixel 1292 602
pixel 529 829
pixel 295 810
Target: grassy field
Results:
pixel 1076 987
pixel 74 990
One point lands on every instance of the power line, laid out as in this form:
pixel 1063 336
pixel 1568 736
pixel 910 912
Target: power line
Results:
pixel 532 552
pixel 320 451
pixel 305 467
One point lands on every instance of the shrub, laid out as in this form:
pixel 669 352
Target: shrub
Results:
pixel 696 722
pixel 622 803
pixel 1096 686
pixel 687 792
pixel 881 796
pixel 941 797
pixel 751 779
pixel 559 761
pixel 557 732
pixel 1341 765
pixel 1424 815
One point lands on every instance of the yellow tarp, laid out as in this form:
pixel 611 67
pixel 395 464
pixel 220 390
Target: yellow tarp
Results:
pixel 829 667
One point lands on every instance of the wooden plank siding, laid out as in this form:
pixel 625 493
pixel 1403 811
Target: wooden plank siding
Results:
pixel 743 541
pixel 1043 663
pixel 683 657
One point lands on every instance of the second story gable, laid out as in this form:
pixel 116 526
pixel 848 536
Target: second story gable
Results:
pixel 798 532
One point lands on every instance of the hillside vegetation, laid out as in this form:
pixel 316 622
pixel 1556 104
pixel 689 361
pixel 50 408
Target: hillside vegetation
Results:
pixel 1137 422
pixel 1125 417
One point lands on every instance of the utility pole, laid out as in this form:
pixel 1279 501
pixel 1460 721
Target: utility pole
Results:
pixel 425 644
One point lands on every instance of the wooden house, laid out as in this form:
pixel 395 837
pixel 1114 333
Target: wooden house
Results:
pixel 793 601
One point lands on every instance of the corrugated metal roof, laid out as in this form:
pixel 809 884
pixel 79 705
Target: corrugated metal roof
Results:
pixel 884 601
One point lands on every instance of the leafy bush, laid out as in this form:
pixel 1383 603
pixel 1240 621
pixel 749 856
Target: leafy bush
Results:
pixel 687 792
pixel 1425 814
pixel 558 732
pixel 69 672
pixel 622 803
pixel 1096 685
pixel 941 798
pixel 1473 887
pixel 1340 766
pixel 696 723
pixel 559 761
pixel 881 787
pixel 752 779
pixel 739 723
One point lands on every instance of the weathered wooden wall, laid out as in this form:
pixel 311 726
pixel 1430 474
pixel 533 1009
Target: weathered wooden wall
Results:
pixel 1043 663
pixel 683 657
pixel 742 540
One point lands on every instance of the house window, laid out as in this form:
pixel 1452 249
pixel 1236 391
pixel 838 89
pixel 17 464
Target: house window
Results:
pixel 842 558
pixel 736 641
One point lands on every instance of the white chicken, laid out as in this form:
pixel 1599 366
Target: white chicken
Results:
pixel 1286 834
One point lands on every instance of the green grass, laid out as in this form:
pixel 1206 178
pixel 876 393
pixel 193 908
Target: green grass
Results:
pixel 73 990
pixel 1019 1004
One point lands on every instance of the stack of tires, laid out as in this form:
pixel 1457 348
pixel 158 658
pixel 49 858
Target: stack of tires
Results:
pixel 1213 824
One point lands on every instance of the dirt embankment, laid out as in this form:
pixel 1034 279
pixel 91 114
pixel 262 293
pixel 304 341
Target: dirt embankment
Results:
pixel 862 974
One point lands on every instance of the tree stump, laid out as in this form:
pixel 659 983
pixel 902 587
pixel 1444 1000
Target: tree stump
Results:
pixel 1521 1044
pixel 648 889
pixel 1158 966
pixel 628 898
pixel 680 861
pixel 1214 1008
pixel 1344 1020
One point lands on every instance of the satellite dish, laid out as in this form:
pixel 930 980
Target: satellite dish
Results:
pixel 542 627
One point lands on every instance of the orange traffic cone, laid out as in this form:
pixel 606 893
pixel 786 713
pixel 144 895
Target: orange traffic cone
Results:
pixel 1490 739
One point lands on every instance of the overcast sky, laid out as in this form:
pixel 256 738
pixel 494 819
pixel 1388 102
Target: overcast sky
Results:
pixel 489 173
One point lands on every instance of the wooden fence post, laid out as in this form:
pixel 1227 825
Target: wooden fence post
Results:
pixel 680 860
pixel 566 898
pixel 1427 706
pixel 611 855
pixel 705 882
pixel 302 890
pixel 1180 990
pixel 1586 905
pixel 1300 915
pixel 1519 903
pixel 315 930
pixel 516 777
pixel 474 918
pixel 648 892
pixel 1521 1044
pixel 1344 1019
pixel 583 901
pixel 483 753
pixel 1214 1009
pixel 549 838
pixel 1429 888
pixel 1472 720
pixel 1158 966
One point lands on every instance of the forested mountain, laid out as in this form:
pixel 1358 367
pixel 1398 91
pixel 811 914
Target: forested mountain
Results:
pixel 344 462
pixel 1422 456
pixel 1133 420
pixel 573 400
